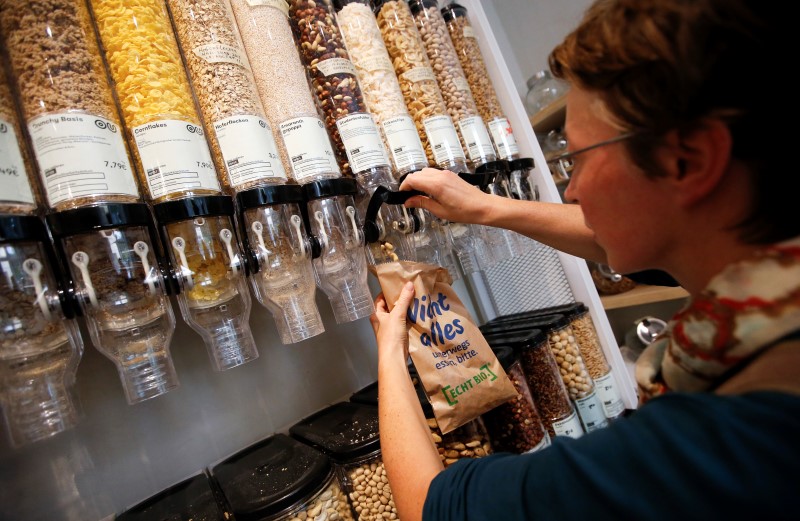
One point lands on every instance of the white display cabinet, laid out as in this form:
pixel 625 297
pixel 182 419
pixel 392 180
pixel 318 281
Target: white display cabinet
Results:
pixel 120 454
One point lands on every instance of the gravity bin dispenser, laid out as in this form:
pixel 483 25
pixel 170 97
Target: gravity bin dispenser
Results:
pixel 39 348
pixel 121 291
pixel 282 276
pixel 199 235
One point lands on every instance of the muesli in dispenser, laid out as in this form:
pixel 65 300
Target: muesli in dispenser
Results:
pixel 281 273
pixel 168 138
pixel 102 231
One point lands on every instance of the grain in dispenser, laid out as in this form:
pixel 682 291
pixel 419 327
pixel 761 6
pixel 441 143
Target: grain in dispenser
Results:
pixel 100 227
pixel 178 172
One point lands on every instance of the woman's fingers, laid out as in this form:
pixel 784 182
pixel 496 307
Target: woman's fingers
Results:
pixel 404 300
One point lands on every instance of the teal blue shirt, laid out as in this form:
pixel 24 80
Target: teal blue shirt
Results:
pixel 679 457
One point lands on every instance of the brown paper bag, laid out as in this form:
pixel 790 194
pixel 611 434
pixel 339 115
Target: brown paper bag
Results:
pixel 461 375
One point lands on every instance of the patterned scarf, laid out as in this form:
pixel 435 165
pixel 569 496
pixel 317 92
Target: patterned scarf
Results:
pixel 746 307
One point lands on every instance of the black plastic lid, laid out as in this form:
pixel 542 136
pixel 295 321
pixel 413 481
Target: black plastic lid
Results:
pixel 91 218
pixel 451 11
pixel 523 163
pixel 505 355
pixel 330 188
pixel 22 228
pixel 546 323
pixel 517 340
pixel 570 310
pixel 344 431
pixel 367 395
pixel 190 499
pixel 267 195
pixel 492 166
pixel 270 476
pixel 339 4
pixel 184 209
pixel 418 5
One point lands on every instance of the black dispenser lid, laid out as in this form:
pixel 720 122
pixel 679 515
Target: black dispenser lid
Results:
pixel 339 4
pixel 270 476
pixel 546 323
pixel 517 340
pixel 418 5
pixel 523 163
pixel 451 11
pixel 367 395
pixel 192 207
pixel 505 355
pixel 330 188
pixel 267 195
pixel 344 431
pixel 570 310
pixel 192 498
pixel 92 218
pixel 22 228
pixel 499 165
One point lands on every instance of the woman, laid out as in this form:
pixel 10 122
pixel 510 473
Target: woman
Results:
pixel 675 161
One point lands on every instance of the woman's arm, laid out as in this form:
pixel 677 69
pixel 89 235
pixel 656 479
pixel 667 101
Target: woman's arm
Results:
pixel 408 451
pixel 557 225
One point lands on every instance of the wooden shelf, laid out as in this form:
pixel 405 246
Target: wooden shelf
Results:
pixel 551 117
pixel 642 294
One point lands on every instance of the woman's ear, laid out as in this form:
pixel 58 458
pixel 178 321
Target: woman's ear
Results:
pixel 696 160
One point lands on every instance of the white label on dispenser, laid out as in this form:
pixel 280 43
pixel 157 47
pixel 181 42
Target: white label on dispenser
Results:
pixel 248 149
pixel 461 83
pixel 476 138
pixel 404 143
pixel 504 139
pixel 469 32
pixel 13 177
pixel 175 157
pixel 376 63
pixel 281 5
pixel 336 66
pixel 308 147
pixel 419 74
pixel 362 141
pixel 569 426
pixel 81 155
pixel 221 53
pixel 591 412
pixel 607 391
pixel 444 139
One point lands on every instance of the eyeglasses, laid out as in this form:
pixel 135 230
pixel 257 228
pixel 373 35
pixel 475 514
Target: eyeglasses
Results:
pixel 563 163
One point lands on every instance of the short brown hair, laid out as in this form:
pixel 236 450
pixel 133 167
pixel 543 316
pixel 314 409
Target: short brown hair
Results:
pixel 662 65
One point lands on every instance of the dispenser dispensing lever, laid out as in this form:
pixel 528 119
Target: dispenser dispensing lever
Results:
pixel 81 260
pixel 34 270
pixel 180 246
pixel 141 249
pixel 227 239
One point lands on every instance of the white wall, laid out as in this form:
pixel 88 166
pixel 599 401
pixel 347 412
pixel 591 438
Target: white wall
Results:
pixel 527 30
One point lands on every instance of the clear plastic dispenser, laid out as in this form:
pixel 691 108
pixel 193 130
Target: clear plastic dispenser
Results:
pixel 121 291
pixel 341 267
pixel 347 432
pixel 505 244
pixel 191 498
pixel 199 234
pixel 39 348
pixel 519 180
pixel 282 275
pixel 452 81
pixel 281 479
pixel 466 44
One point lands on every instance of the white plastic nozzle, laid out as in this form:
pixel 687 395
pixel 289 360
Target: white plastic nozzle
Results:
pixel 81 260
pixel 141 249
pixel 180 246
pixel 297 224
pixel 34 270
pixel 323 236
pixel 227 239
pixel 351 213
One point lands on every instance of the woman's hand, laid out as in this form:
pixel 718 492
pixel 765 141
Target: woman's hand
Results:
pixel 450 197
pixel 390 326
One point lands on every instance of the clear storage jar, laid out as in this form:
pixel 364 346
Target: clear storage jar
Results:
pixel 39 348
pixel 191 498
pixel 515 426
pixel 452 81
pixel 382 93
pixel 18 187
pixel 281 479
pixel 543 377
pixel 239 134
pixel 347 432
pixel 466 44
pixel 67 104
pixel 284 90
pixel 419 86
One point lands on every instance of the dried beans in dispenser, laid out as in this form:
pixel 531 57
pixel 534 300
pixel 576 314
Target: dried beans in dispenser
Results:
pixel 339 260
pixel 466 45
pixel 100 227
pixel 166 132
pixel 281 272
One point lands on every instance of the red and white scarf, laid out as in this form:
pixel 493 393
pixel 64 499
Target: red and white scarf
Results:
pixel 745 308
